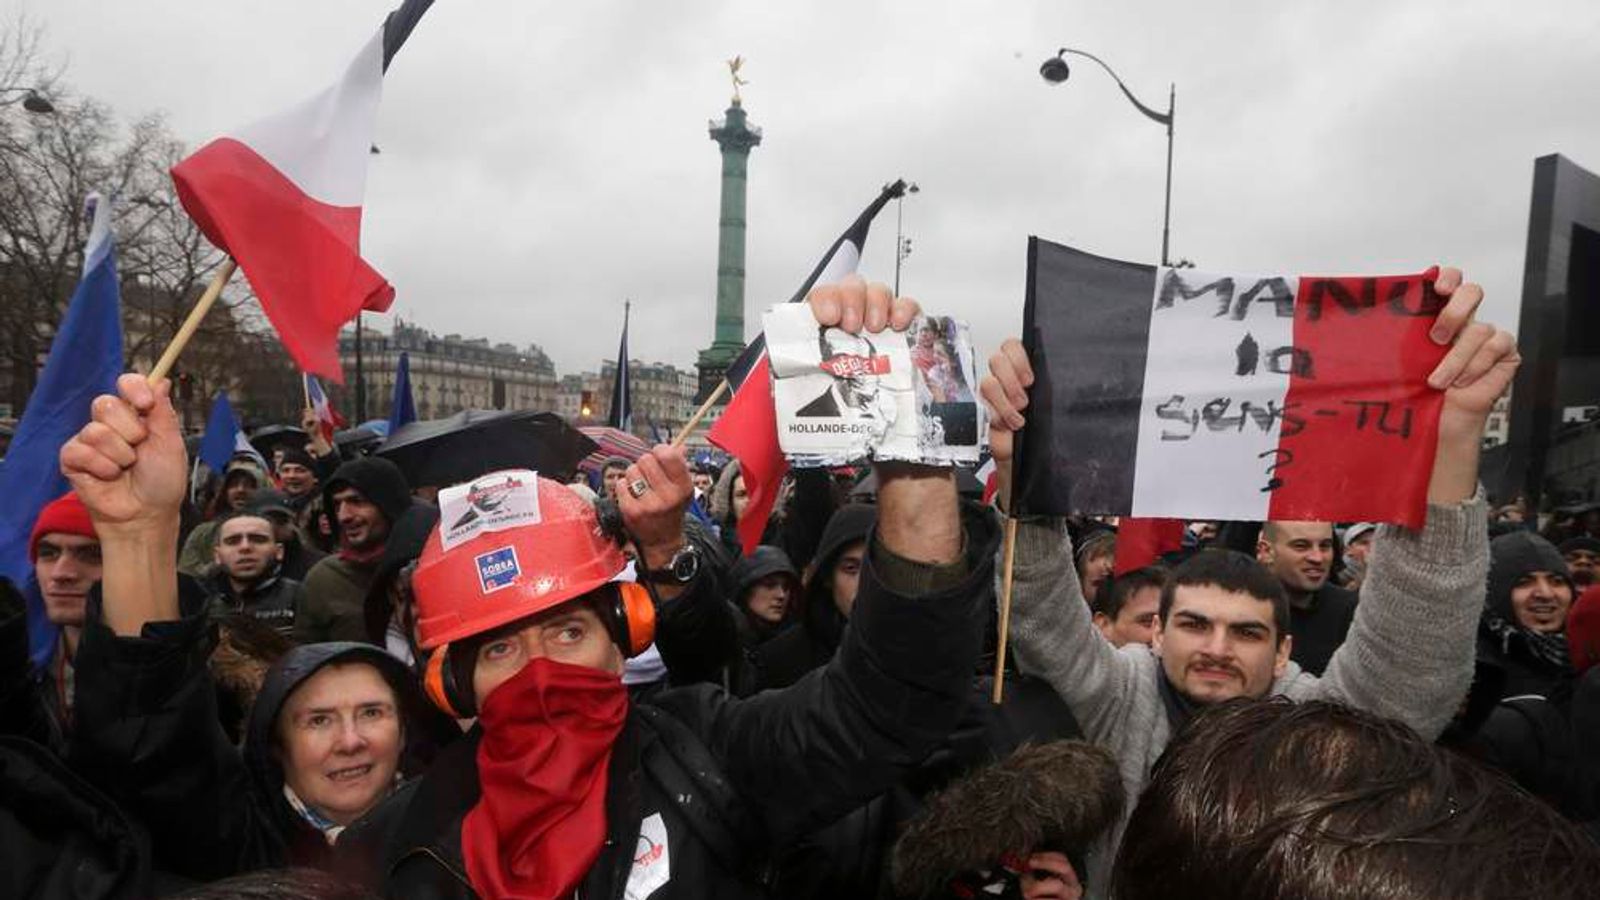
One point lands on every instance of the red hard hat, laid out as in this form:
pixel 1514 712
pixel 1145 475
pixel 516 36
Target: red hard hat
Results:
pixel 498 576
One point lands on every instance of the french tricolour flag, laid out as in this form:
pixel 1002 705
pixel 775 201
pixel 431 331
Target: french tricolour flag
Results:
pixel 748 428
pixel 283 196
pixel 1173 393
pixel 328 418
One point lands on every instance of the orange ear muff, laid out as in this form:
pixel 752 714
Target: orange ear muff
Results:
pixel 636 613
pixel 439 683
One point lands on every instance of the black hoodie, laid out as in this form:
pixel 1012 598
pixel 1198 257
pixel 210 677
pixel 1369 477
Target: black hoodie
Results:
pixel 336 587
pixel 147 733
pixel 786 658
pixel 761 562
pixel 378 480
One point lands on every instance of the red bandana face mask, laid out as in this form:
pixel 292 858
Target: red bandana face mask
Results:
pixel 542 764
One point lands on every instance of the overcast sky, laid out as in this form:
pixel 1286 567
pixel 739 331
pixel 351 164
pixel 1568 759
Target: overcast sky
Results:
pixel 544 160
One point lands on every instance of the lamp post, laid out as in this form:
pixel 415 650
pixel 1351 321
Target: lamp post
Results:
pixel 31 99
pixel 1055 71
pixel 902 245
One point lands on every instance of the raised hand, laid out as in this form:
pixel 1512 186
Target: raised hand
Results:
pixel 1005 393
pixel 1481 361
pixel 654 515
pixel 852 304
pixel 129 468
pixel 128 464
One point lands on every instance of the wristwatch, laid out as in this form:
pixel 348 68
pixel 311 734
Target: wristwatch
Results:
pixel 680 570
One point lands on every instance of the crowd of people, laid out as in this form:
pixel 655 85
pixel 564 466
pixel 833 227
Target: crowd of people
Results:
pixel 314 684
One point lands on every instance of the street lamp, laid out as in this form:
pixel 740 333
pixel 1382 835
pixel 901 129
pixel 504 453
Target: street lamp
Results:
pixel 32 100
pixel 902 245
pixel 1055 71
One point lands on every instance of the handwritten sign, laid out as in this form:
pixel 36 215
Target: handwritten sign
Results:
pixel 1195 395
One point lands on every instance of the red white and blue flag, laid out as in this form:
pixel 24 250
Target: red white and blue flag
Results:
pixel 1171 393
pixel 748 428
pixel 283 197
pixel 328 418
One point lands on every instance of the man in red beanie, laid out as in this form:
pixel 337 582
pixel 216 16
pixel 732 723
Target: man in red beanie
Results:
pixel 66 562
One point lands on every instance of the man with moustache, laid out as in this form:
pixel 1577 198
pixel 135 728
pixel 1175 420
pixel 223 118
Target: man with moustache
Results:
pixel 1300 556
pixel 1225 620
pixel 366 496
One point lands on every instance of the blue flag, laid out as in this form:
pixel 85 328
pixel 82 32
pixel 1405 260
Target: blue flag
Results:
pixel 403 409
pixel 222 434
pixel 85 360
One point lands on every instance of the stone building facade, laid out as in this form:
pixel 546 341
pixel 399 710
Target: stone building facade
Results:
pixel 448 374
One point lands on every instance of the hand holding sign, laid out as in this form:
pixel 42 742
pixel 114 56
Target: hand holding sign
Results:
pixel 1473 375
pixel 1005 393
pixel 918 515
pixel 852 303
pixel 901 392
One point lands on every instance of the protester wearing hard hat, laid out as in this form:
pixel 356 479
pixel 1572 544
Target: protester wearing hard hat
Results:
pixel 564 785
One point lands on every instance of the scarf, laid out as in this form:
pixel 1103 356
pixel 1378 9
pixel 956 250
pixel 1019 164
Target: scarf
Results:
pixel 362 557
pixel 1549 649
pixel 330 829
pixel 542 764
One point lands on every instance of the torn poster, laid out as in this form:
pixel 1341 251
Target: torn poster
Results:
pixel 1173 393
pixel 896 395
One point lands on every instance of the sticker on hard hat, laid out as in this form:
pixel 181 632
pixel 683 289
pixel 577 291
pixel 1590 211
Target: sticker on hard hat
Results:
pixel 493 502
pixel 497 569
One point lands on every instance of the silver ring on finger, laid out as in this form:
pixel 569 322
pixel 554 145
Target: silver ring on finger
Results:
pixel 637 487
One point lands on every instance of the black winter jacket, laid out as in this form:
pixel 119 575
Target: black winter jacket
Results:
pixel 789 761
pixel 61 837
pixel 271 601
pixel 1320 628
pixel 1551 746
pixel 786 658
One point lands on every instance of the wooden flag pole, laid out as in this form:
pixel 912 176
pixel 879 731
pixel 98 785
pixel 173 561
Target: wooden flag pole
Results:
pixel 305 388
pixel 1010 556
pixel 192 323
pixel 688 428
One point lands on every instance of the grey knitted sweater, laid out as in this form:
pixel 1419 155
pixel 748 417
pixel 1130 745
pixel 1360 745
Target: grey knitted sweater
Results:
pixel 1408 655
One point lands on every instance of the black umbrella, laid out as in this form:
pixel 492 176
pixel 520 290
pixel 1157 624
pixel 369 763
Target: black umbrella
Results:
pixel 967 485
pixel 353 442
pixel 442 452
pixel 270 436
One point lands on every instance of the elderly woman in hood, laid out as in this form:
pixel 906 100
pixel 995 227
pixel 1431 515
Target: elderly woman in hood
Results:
pixel 334 728
pixel 1523 629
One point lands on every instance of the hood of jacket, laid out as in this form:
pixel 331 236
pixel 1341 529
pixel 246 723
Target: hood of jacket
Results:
pixel 1058 796
pixel 821 617
pixel 291 671
pixel 1512 556
pixel 722 495
pixel 378 479
pixel 765 560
